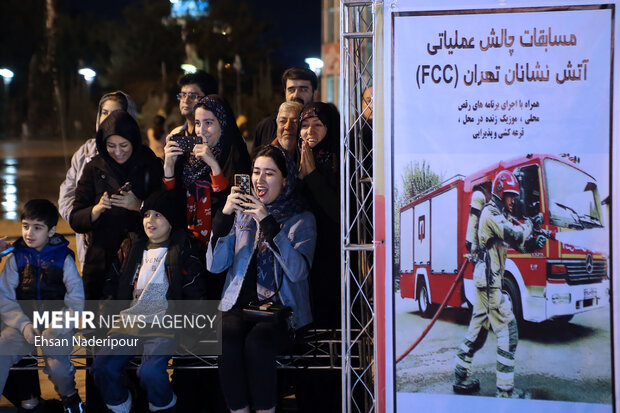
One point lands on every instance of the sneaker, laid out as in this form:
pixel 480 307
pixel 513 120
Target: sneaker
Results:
pixel 73 404
pixel 467 385
pixel 513 393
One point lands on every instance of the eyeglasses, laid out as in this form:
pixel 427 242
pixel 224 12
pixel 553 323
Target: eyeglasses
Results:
pixel 190 96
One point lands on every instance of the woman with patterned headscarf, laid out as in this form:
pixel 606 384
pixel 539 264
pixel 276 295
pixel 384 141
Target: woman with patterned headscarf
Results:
pixel 206 172
pixel 265 242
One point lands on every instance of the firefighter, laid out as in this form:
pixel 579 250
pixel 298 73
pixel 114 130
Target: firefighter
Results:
pixel 496 230
pixel 471 238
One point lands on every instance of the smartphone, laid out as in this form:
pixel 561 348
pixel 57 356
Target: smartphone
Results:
pixel 243 182
pixel 125 188
pixel 6 252
pixel 186 142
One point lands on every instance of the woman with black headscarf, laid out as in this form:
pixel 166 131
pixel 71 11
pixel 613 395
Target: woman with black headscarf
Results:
pixel 319 172
pixel 109 194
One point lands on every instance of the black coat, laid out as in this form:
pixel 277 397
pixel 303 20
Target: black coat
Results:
pixel 184 268
pixel 322 194
pixel 114 225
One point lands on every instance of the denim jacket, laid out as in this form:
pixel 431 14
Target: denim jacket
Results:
pixel 295 241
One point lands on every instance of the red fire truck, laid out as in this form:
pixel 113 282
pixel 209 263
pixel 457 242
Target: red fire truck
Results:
pixel 554 283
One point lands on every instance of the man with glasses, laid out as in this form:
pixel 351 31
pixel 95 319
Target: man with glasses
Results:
pixel 193 87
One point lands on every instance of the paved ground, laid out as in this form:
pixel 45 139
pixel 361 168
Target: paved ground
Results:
pixel 32 169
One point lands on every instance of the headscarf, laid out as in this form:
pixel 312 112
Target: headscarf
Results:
pixel 287 203
pixel 283 207
pixel 123 124
pixel 127 104
pixel 326 152
pixel 195 169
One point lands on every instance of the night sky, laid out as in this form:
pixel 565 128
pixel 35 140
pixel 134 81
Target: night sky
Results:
pixel 295 24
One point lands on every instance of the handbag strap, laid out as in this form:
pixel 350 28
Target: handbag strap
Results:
pixel 266 300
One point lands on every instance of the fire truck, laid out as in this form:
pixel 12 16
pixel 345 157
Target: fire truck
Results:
pixel 554 283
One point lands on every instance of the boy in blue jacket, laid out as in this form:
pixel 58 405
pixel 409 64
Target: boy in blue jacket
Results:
pixel 41 268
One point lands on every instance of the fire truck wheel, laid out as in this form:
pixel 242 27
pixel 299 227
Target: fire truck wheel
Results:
pixel 563 319
pixel 427 309
pixel 511 293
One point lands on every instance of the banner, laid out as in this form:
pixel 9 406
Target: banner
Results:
pixel 499 128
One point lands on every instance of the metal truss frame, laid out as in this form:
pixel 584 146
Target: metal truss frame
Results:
pixel 357 51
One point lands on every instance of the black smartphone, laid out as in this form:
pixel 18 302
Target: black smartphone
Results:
pixel 243 182
pixel 125 188
pixel 186 142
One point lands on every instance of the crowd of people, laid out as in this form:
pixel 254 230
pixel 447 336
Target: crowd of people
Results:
pixel 177 206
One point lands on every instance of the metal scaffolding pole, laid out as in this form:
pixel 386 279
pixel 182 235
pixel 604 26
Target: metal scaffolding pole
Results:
pixel 357 42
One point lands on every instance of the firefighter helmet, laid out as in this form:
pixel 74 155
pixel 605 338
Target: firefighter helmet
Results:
pixel 505 182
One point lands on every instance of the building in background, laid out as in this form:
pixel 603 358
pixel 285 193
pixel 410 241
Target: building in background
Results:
pixel 361 24
pixel 330 50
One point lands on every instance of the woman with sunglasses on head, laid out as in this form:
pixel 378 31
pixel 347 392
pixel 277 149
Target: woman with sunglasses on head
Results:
pixel 265 241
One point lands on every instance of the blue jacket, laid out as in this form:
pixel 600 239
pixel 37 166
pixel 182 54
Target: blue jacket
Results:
pixel 295 242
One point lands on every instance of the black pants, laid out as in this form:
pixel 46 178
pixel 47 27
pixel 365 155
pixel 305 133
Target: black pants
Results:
pixel 247 365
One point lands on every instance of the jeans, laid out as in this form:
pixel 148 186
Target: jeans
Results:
pixel 108 372
pixel 58 366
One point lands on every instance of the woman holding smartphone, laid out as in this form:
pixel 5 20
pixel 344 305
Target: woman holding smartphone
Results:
pixel 265 242
pixel 109 194
pixel 206 170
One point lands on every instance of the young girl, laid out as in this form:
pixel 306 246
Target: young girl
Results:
pixel 268 253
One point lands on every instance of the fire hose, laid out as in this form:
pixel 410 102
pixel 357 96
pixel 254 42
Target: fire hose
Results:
pixel 441 307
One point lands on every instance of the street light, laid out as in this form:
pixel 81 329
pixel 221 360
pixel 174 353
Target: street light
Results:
pixel 7 76
pixel 315 64
pixel 187 68
pixel 89 74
